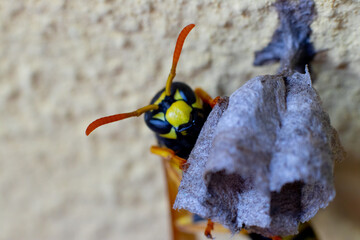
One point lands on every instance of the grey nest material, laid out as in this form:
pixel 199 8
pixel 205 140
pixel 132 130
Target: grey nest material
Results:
pixel 265 156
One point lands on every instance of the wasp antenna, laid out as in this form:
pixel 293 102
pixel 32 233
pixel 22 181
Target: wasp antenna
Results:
pixel 117 117
pixel 178 47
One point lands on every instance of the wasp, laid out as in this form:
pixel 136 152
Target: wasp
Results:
pixel 176 115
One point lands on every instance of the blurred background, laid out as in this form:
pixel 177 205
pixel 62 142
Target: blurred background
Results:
pixel 65 63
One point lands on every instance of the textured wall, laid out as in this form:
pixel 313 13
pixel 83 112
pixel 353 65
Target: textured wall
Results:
pixel 66 62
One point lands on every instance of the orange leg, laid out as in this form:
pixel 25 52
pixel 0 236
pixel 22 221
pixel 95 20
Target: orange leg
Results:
pixel 169 155
pixel 209 227
pixel 206 97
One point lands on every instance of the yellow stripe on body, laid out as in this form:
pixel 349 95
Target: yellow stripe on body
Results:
pixel 177 95
pixel 198 104
pixel 178 113
pixel 170 135
pixel 160 116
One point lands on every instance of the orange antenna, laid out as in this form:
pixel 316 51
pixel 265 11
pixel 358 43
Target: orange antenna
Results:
pixel 117 117
pixel 178 47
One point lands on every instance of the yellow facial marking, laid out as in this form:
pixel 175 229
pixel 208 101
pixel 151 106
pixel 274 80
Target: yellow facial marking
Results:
pixel 198 104
pixel 177 95
pixel 160 116
pixel 158 101
pixel 170 135
pixel 178 113
pixel 184 133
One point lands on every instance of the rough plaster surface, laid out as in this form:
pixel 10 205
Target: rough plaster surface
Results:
pixel 64 63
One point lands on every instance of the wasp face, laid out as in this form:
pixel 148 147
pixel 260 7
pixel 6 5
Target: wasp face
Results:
pixel 178 120
pixel 176 114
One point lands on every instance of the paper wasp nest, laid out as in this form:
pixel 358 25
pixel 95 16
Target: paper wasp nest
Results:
pixel 264 158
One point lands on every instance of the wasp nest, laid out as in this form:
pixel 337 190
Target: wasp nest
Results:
pixel 264 158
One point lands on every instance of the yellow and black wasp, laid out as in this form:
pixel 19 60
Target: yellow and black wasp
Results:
pixel 176 115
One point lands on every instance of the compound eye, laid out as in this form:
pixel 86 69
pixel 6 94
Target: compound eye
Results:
pixel 156 122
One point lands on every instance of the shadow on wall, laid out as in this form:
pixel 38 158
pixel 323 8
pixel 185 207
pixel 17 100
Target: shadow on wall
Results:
pixel 341 99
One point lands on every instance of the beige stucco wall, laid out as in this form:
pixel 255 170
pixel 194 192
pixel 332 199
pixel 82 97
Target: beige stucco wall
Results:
pixel 64 63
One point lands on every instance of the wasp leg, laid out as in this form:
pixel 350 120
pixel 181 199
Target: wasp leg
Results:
pixel 209 228
pixel 206 97
pixel 169 155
